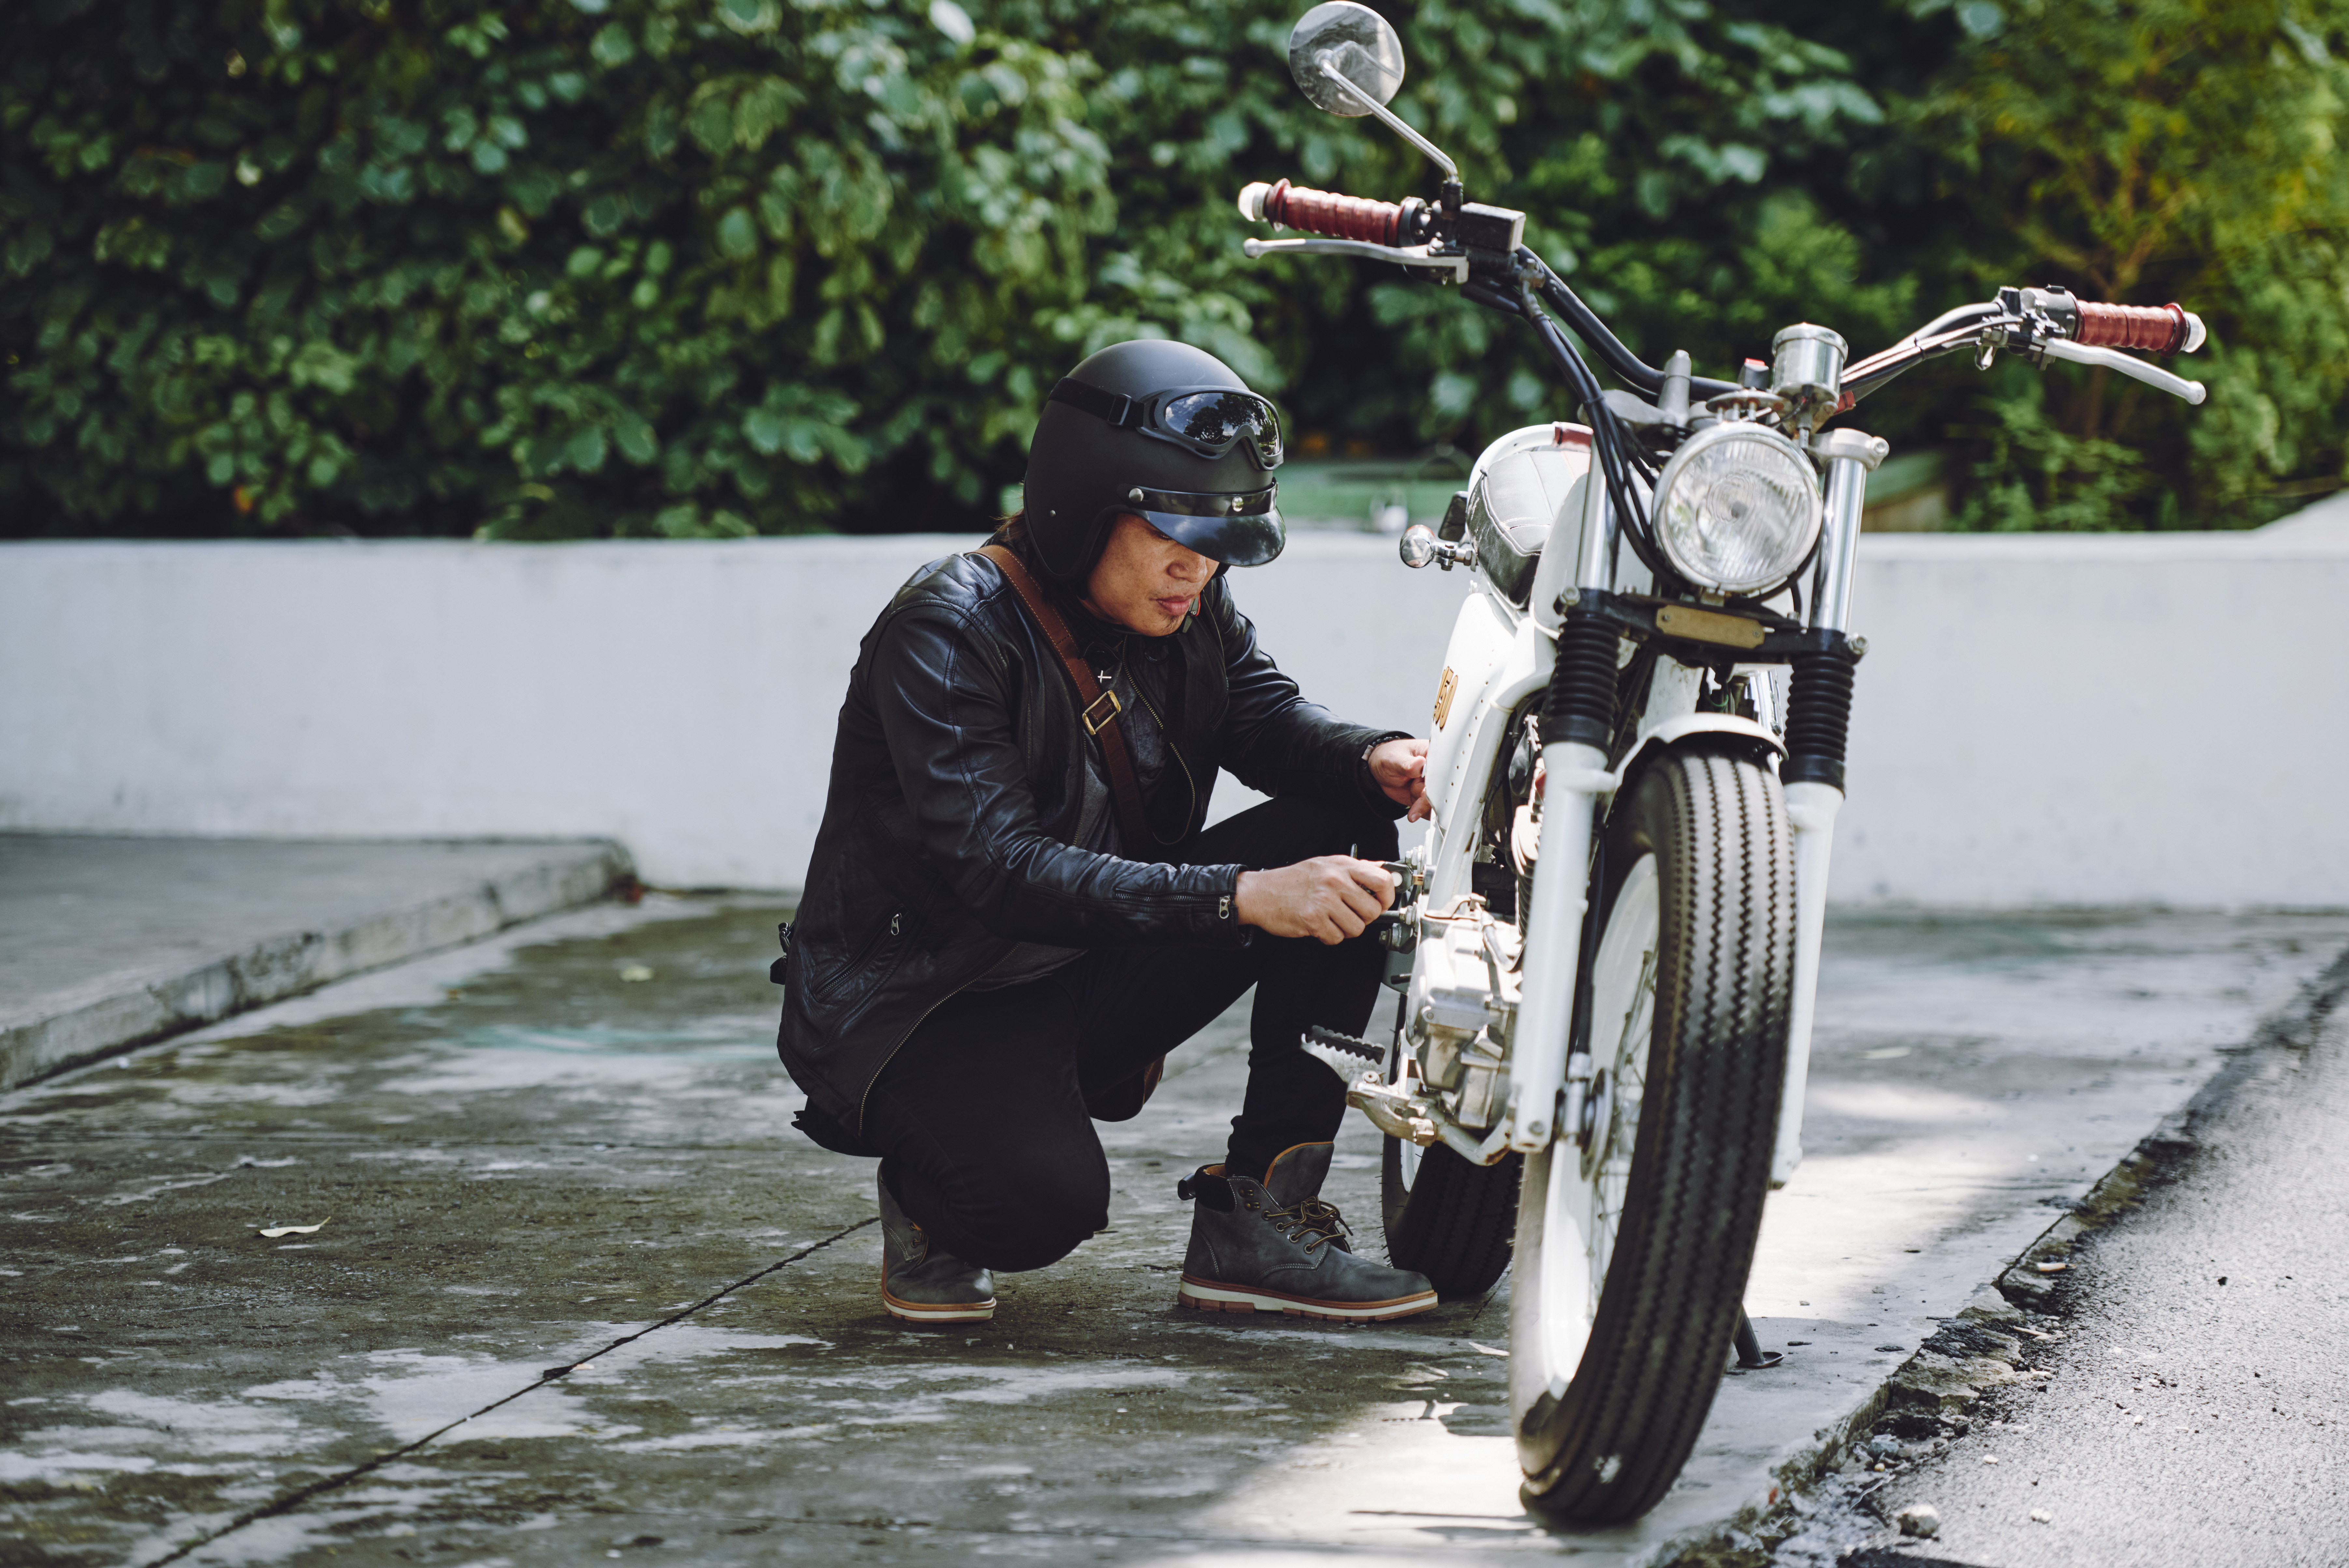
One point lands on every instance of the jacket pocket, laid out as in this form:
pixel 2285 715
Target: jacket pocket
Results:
pixel 873 955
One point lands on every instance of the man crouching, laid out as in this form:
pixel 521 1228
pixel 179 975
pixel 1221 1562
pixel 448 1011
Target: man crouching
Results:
pixel 1014 911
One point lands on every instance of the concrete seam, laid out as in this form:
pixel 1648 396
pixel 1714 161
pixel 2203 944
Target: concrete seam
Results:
pixel 2290 1028
pixel 301 1495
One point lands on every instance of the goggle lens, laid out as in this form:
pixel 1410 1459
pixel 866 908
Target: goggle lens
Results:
pixel 1218 419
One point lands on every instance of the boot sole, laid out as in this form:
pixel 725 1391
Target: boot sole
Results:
pixel 938 1311
pixel 1206 1295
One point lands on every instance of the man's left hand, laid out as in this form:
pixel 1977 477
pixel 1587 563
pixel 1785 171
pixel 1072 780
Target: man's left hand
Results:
pixel 1400 770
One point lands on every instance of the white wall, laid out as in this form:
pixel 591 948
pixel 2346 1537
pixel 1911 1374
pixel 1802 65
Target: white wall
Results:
pixel 2099 719
pixel 2084 720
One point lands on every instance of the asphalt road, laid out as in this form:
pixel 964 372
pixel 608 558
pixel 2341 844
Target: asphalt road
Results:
pixel 2187 1391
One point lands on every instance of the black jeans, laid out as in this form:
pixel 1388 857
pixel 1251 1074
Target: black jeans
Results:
pixel 981 1115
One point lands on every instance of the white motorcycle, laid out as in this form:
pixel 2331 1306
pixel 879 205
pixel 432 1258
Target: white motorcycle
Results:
pixel 1608 945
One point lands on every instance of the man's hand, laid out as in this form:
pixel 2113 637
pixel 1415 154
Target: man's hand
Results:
pixel 1328 899
pixel 1400 770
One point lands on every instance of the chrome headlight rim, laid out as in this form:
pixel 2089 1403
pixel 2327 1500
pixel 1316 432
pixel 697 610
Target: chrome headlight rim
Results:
pixel 1814 509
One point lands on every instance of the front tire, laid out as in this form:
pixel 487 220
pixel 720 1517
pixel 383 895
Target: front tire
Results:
pixel 1635 1232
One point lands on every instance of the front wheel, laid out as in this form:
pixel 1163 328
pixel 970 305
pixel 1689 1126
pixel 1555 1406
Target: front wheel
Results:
pixel 1635 1230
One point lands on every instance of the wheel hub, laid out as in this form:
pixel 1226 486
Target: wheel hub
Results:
pixel 1598 1122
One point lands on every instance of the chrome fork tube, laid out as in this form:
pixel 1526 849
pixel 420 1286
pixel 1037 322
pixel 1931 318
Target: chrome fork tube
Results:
pixel 1574 776
pixel 1850 458
pixel 1812 807
pixel 1601 535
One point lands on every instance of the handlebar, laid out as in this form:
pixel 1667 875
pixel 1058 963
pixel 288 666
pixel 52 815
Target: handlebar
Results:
pixel 2048 323
pixel 1398 224
pixel 2039 323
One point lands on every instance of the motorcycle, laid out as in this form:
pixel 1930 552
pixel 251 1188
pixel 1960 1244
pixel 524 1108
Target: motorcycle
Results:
pixel 1607 947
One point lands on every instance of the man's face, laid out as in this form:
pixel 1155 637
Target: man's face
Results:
pixel 1145 581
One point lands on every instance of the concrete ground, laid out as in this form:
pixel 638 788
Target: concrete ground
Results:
pixel 106 942
pixel 567 1150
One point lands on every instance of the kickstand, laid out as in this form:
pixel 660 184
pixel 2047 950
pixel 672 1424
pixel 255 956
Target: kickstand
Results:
pixel 1750 1354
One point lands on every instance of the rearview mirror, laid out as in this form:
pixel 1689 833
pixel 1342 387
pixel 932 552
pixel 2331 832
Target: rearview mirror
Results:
pixel 1356 43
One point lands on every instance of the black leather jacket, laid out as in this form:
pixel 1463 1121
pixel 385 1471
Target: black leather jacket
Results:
pixel 957 776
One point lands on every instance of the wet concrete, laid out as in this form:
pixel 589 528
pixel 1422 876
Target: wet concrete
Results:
pixel 569 1148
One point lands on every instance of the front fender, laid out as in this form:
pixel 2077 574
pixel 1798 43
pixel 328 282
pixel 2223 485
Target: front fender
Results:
pixel 1683 728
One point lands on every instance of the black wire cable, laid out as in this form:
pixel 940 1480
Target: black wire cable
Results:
pixel 1609 442
pixel 1608 438
pixel 1492 298
pixel 1617 456
pixel 1609 347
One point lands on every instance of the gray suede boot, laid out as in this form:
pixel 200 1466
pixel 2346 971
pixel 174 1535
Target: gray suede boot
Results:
pixel 923 1283
pixel 1274 1246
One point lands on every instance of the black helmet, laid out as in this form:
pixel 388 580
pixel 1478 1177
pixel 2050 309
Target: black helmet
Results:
pixel 1161 429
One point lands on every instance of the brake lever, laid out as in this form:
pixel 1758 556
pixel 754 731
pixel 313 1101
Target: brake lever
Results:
pixel 1411 255
pixel 2127 365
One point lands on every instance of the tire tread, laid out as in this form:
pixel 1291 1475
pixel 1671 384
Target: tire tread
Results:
pixel 1454 1222
pixel 1701 1170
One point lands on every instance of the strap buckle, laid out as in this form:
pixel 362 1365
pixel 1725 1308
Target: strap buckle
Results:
pixel 1092 725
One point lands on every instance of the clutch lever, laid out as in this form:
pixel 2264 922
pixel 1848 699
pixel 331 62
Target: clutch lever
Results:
pixel 1403 256
pixel 2127 365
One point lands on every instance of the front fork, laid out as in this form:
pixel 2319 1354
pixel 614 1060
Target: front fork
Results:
pixel 1577 728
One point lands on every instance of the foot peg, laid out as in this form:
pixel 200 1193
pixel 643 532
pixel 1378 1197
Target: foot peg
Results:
pixel 1340 1047
pixel 1360 1066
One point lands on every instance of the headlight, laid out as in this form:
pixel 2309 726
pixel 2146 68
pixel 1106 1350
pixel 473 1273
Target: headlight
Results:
pixel 1737 508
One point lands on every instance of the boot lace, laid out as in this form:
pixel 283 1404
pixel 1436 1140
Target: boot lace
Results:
pixel 1309 1216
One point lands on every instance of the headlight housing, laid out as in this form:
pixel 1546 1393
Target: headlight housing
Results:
pixel 1737 508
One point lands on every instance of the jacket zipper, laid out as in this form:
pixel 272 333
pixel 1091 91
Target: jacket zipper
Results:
pixel 1176 751
pixel 873 942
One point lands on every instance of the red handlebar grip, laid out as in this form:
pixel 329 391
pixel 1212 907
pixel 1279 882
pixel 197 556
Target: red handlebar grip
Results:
pixel 1328 212
pixel 2156 329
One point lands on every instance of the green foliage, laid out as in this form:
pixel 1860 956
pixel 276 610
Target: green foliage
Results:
pixel 2144 151
pixel 1687 214
pixel 563 267
pixel 705 267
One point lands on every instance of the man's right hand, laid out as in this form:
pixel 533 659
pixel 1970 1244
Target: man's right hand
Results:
pixel 1328 899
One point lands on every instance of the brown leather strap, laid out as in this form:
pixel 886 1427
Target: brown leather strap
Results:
pixel 1097 708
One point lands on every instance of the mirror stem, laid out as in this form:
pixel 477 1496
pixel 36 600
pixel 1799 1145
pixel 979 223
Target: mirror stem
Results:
pixel 1394 121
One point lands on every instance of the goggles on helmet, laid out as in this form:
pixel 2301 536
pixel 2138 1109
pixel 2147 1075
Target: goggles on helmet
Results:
pixel 1237 530
pixel 1207 421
